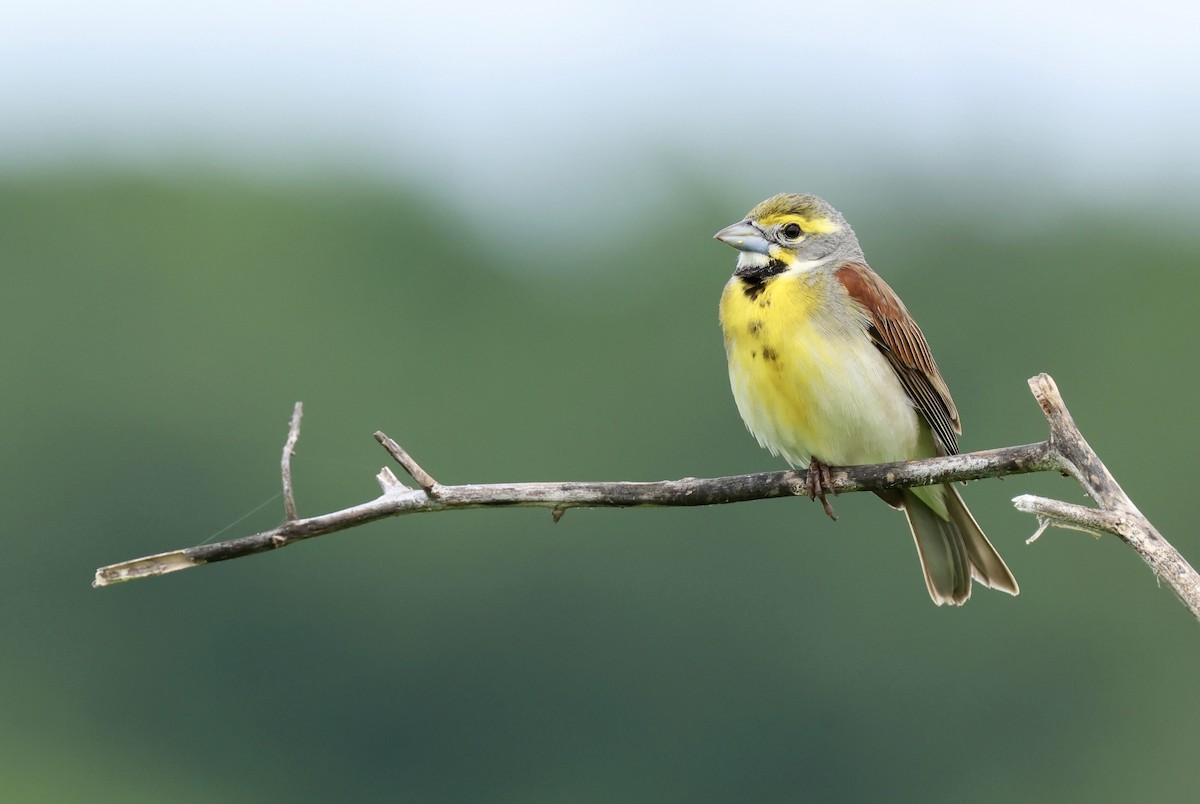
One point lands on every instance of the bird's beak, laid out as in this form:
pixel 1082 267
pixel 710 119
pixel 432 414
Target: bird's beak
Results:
pixel 744 236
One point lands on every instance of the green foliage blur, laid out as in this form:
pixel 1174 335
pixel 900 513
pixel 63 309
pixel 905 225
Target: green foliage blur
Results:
pixel 157 330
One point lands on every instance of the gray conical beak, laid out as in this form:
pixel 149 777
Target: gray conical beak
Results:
pixel 744 236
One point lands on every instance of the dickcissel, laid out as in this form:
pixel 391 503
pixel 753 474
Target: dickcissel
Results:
pixel 829 369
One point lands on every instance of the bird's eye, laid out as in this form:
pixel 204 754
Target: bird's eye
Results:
pixel 792 231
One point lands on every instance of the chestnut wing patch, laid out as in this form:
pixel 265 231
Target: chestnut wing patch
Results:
pixel 903 344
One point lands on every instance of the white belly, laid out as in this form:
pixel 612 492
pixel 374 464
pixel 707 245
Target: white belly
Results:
pixel 838 400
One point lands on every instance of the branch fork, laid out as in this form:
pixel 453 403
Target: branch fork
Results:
pixel 423 478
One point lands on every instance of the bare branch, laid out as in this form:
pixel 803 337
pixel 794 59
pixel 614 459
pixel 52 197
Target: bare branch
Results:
pixel 1076 454
pixel 1116 514
pixel 1071 516
pixel 559 496
pixel 289 449
pixel 1066 452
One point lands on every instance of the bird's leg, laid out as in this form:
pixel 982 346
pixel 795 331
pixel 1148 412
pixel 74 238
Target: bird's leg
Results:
pixel 818 482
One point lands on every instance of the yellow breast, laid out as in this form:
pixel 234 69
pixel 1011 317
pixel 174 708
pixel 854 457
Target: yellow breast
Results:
pixel 806 377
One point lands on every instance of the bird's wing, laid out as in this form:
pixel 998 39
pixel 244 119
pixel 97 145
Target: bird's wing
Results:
pixel 901 341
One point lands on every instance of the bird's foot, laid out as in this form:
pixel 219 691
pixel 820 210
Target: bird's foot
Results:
pixel 818 482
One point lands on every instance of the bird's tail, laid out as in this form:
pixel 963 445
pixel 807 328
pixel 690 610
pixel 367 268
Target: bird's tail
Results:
pixel 954 550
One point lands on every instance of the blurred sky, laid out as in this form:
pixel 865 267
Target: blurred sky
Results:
pixel 512 104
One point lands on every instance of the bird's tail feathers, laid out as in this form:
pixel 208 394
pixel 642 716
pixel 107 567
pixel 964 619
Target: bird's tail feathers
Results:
pixel 954 550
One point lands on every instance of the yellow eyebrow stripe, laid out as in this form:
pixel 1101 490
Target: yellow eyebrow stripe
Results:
pixel 809 225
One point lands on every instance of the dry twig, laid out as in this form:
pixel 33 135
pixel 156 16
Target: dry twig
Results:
pixel 285 464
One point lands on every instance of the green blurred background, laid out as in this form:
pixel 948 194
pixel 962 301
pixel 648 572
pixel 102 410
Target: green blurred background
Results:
pixel 167 298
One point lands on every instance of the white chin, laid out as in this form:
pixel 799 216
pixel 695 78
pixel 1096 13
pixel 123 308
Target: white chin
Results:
pixel 748 260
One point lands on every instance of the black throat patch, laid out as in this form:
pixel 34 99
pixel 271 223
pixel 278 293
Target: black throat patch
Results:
pixel 755 278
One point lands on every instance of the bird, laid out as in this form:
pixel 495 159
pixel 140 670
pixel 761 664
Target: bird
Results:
pixel 828 368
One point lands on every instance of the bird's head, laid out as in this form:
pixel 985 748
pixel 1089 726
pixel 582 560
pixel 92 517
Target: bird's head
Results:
pixel 790 232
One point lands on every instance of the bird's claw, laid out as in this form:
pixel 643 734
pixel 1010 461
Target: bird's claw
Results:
pixel 818 482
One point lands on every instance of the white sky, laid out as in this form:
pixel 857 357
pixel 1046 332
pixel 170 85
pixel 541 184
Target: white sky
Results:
pixel 510 101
